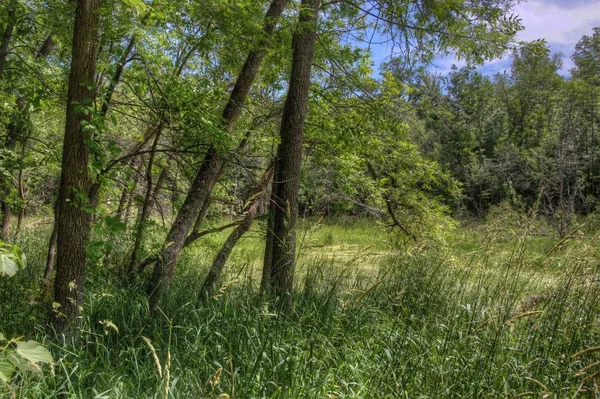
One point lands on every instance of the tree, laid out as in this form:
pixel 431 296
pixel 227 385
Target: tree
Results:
pixel 289 155
pixel 587 62
pixel 73 197
pixel 587 58
pixel 208 171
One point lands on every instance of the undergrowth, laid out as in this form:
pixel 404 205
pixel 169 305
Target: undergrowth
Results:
pixel 440 322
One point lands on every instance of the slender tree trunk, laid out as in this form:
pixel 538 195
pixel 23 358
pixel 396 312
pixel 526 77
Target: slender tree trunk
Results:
pixel 6 37
pixel 122 203
pixel 51 254
pixel 16 128
pixel 73 221
pixel 268 258
pixel 210 166
pixel 21 189
pixel 145 212
pixel 117 76
pixel 154 204
pixel 206 205
pixel 252 213
pixel 128 192
pixel 6 216
pixel 290 155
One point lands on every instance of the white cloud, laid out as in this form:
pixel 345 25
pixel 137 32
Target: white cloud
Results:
pixel 561 25
pixel 558 25
pixel 561 22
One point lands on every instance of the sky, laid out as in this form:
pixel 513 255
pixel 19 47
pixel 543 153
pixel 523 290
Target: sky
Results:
pixel 561 22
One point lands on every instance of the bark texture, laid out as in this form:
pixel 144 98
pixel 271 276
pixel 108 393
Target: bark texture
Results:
pixel 73 221
pixel 285 212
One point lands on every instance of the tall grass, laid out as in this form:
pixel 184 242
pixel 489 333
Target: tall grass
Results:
pixel 431 324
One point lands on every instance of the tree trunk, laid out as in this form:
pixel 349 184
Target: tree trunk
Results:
pixel 16 128
pixel 145 212
pixel 21 190
pixel 51 255
pixel 252 213
pixel 20 129
pixel 154 203
pixel 209 169
pixel 116 77
pixel 47 47
pixel 290 156
pixel 6 37
pixel 268 258
pixel 6 216
pixel 73 221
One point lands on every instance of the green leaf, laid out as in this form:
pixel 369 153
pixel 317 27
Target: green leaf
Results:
pixel 34 352
pixel 8 266
pixel 137 5
pixel 6 370
pixel 19 256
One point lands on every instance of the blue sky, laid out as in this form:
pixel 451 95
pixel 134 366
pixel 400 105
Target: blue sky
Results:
pixel 561 22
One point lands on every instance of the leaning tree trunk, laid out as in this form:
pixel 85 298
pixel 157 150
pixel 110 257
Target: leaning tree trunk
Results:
pixel 145 212
pixel 73 221
pixel 285 212
pixel 210 166
pixel 252 213
pixel 154 204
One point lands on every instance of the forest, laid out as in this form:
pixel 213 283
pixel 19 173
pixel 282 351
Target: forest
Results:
pixel 284 199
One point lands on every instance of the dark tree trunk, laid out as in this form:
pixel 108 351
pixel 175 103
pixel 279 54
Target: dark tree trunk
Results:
pixel 252 213
pixel 209 169
pixel 17 128
pixel 6 37
pixel 73 221
pixel 6 216
pixel 290 156
pixel 47 47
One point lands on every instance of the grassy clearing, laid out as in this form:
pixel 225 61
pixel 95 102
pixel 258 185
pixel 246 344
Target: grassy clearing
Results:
pixel 488 314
